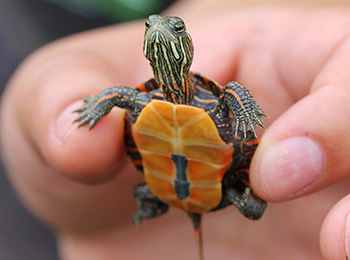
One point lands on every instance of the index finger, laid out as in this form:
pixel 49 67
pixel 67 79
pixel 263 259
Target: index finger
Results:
pixel 45 90
pixel 305 149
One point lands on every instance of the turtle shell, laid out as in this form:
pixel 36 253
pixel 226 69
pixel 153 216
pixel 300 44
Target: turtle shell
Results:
pixel 183 156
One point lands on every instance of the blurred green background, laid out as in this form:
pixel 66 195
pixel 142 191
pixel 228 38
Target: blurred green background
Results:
pixel 115 10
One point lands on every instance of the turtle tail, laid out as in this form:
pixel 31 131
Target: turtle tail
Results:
pixel 197 224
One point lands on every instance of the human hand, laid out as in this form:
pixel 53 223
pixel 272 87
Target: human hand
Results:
pixel 81 182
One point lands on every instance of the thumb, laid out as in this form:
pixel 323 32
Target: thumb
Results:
pixel 305 149
pixel 335 232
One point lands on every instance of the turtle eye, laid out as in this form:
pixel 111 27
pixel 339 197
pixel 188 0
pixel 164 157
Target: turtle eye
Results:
pixel 179 26
pixel 147 23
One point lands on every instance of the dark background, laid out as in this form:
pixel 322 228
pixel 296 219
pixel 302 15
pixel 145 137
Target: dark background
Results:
pixel 25 25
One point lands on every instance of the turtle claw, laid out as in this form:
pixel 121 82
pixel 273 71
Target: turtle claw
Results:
pixel 239 103
pixel 148 206
pixel 137 219
pixel 88 113
pixel 84 121
pixel 249 121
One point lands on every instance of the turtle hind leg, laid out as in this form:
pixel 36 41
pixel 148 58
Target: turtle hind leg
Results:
pixel 149 206
pixel 197 224
pixel 247 203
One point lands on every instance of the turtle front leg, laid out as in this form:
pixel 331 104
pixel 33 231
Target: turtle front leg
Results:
pixel 236 100
pixel 99 106
pixel 149 206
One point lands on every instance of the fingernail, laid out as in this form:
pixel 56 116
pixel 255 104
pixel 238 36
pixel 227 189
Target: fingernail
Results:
pixel 347 237
pixel 64 123
pixel 290 166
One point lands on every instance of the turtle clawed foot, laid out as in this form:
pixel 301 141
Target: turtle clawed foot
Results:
pixel 149 206
pixel 149 211
pixel 247 203
pixel 253 206
pixel 249 121
pixel 88 113
pixel 237 101
pixel 137 219
pixel 248 117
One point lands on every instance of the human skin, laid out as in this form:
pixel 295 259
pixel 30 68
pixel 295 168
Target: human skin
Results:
pixel 294 61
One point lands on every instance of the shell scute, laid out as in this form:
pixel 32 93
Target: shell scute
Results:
pixel 159 185
pixel 208 172
pixel 192 206
pixel 154 122
pixel 211 154
pixel 207 195
pixel 181 130
pixel 184 115
pixel 201 130
pixel 165 109
pixel 158 162
pixel 148 142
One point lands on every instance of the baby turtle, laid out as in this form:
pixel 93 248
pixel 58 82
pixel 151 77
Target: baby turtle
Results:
pixel 192 139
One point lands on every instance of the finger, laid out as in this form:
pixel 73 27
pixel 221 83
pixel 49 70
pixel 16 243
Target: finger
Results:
pixel 306 148
pixel 50 86
pixel 41 147
pixel 335 232
pixel 44 108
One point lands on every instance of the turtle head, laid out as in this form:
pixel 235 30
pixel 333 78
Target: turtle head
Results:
pixel 167 41
pixel 168 47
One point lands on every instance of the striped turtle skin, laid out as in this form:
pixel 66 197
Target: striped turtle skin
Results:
pixel 192 139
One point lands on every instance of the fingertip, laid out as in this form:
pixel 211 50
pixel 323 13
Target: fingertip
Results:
pixel 43 95
pixel 335 232
pixel 88 156
pixel 287 167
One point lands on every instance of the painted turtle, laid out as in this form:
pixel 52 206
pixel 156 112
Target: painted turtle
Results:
pixel 191 138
